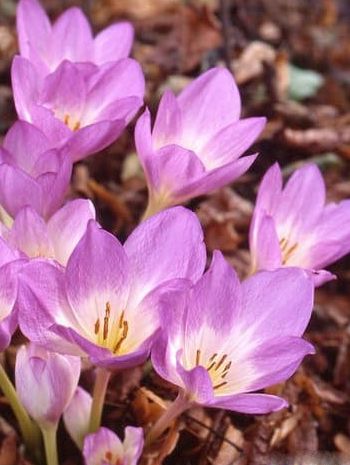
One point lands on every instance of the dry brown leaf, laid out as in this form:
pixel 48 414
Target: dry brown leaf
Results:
pixel 228 453
pixel 342 443
pixel 250 64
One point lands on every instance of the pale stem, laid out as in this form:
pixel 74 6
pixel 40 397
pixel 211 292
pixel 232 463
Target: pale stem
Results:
pixel 180 404
pixel 99 394
pixel 156 203
pixel 29 430
pixel 50 443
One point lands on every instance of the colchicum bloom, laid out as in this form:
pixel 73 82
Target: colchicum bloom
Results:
pixel 31 173
pixel 226 340
pixel 9 267
pixel 293 226
pixel 81 108
pixel 45 382
pixel 69 38
pixel 104 304
pixel 77 415
pixel 104 447
pixel 197 140
pixel 54 239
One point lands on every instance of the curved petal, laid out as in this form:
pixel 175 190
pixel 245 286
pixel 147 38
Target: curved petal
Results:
pixel 250 403
pixel 270 189
pixel 210 103
pixel 50 304
pixel 29 234
pixel 18 189
pixel 167 127
pixel 215 300
pixel 231 142
pixel 97 276
pixel 172 168
pixel 67 226
pixel 166 246
pixel 25 86
pixel 113 43
pixel 71 38
pixel 91 139
pixel 25 142
pixel 33 28
pixel 276 303
pixel 216 178
pixel 264 243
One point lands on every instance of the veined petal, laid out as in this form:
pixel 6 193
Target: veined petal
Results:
pixel 33 28
pixel 71 38
pixel 50 303
pixel 167 127
pixel 25 85
pixel 67 226
pixel 98 283
pixel 231 142
pixel 166 246
pixel 210 103
pixel 250 403
pixel 216 178
pixel 113 43
pixel 29 234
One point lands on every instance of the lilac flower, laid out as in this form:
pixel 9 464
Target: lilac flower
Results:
pixel 69 38
pixel 104 447
pixel 54 239
pixel 81 108
pixel 196 141
pixel 105 303
pixel 76 416
pixel 293 226
pixel 45 382
pixel 9 267
pixel 226 340
pixel 31 173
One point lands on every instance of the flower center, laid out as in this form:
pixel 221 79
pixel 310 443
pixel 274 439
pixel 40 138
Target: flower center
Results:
pixel 287 249
pixel 70 122
pixel 218 368
pixel 111 334
pixel 109 457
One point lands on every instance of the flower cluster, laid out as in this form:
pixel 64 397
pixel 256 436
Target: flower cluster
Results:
pixel 76 292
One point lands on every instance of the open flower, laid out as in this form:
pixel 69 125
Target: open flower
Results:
pixel 293 226
pixel 45 382
pixel 105 448
pixel 81 108
pixel 54 239
pixel 31 173
pixel 225 340
pixel 105 303
pixel 196 141
pixel 69 38
pixel 10 264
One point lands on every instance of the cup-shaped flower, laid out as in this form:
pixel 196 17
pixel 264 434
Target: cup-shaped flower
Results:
pixel 54 239
pixel 226 340
pixel 10 263
pixel 293 226
pixel 31 173
pixel 81 108
pixel 45 382
pixel 68 38
pixel 105 448
pixel 196 141
pixel 77 415
pixel 105 303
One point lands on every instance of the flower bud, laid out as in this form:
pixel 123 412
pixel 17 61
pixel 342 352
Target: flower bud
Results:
pixel 45 382
pixel 77 415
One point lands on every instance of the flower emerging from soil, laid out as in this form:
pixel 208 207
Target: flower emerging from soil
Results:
pixel 293 226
